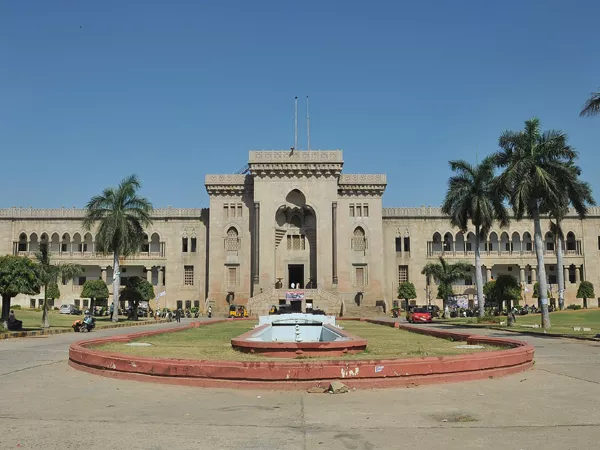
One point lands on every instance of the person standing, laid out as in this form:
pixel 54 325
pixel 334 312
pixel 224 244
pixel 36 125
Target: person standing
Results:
pixel 178 315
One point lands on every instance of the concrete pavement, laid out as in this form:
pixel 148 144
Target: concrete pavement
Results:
pixel 47 404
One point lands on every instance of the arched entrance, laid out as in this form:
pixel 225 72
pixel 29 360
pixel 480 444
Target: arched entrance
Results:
pixel 296 243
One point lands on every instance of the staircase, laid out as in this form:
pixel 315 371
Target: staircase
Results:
pixel 353 310
pixel 330 302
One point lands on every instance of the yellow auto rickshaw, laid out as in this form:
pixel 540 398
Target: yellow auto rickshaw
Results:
pixel 237 311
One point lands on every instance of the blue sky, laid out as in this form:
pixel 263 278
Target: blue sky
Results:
pixel 93 91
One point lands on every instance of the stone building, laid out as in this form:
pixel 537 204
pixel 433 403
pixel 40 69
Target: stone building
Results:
pixel 294 219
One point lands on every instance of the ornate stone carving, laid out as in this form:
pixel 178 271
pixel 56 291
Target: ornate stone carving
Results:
pixel 286 156
pixel 363 178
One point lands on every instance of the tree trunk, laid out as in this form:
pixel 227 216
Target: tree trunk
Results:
pixel 509 317
pixel 45 320
pixel 561 273
pixel 92 306
pixel 134 310
pixel 5 309
pixel 116 286
pixel 539 253
pixel 478 275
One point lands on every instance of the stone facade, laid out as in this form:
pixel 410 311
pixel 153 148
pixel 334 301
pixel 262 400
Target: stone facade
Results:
pixel 295 218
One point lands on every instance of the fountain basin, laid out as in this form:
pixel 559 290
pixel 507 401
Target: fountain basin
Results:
pixel 298 335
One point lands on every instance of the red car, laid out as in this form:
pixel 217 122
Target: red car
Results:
pixel 418 315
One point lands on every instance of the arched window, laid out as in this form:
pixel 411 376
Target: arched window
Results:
pixel 359 241
pixel 571 242
pixel 232 241
pixel 22 242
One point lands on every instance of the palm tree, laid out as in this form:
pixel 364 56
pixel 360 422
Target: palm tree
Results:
pixel 592 105
pixel 122 216
pixel 538 167
pixel 445 275
pixel 49 275
pixel 557 212
pixel 473 197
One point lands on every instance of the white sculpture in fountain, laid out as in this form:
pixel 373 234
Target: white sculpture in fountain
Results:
pixel 298 333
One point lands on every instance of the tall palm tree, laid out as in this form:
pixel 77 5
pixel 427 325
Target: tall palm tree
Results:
pixel 49 275
pixel 538 168
pixel 592 105
pixel 445 275
pixel 122 216
pixel 557 212
pixel 473 197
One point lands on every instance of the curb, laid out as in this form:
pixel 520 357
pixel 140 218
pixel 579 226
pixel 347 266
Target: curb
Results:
pixel 527 332
pixel 21 334
pixel 299 374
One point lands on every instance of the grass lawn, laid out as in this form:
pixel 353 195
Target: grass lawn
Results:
pixel 562 322
pixel 213 342
pixel 33 319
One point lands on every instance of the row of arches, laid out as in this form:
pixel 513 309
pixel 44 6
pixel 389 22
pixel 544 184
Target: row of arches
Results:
pixel 503 243
pixel 77 243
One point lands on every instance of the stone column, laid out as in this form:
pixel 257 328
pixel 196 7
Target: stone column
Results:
pixel 256 242
pixel 577 274
pixel 488 276
pixel 149 274
pixel 533 275
pixel 334 243
pixel 566 274
pixel 522 274
pixel 103 273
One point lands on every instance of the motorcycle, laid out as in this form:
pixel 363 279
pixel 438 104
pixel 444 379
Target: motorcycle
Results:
pixel 87 324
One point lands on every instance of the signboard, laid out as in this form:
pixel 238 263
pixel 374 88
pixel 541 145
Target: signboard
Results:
pixel 292 296
pixel 459 301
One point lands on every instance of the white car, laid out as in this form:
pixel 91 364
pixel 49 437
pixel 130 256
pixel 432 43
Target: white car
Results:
pixel 67 309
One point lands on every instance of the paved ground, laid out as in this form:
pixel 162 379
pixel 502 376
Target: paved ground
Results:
pixel 46 404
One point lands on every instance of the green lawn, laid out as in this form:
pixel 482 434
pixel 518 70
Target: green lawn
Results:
pixel 213 342
pixel 562 322
pixel 33 319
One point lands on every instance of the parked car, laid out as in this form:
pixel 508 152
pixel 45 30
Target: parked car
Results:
pixel 418 315
pixel 67 309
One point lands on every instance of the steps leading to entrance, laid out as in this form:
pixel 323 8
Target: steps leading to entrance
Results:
pixel 330 302
pixel 353 310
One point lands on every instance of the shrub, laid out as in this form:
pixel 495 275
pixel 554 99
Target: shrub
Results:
pixel 488 318
pixel 15 306
pixel 575 307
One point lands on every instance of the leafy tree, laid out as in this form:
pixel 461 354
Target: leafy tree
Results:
pixel 489 290
pixel 585 291
pixel 122 216
pixel 407 291
pixel 95 290
pixel 473 198
pixel 53 291
pixel 536 291
pixel 507 289
pixel 538 169
pixel 49 274
pixel 445 275
pixel 592 105
pixel 18 275
pixel 136 290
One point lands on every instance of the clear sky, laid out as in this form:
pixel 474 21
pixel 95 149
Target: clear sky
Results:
pixel 91 91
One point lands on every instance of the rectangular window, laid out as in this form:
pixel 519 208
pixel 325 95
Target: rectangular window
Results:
pixel 398 244
pixel 468 247
pixel 86 303
pixel 529 246
pixel 358 211
pixel 402 274
pixel 550 246
pixel 196 303
pixel 40 302
pixel 77 302
pixel 507 247
pixel 63 248
pixel 179 304
pixel 184 245
pixel 239 210
pixel 81 281
pixel 352 213
pixel 32 303
pixel 407 244
pixel 232 276
pixel 468 281
pixel 225 211
pixel 528 279
pixel 145 248
pixel 23 246
pixel 193 245
pixel 509 268
pixel 552 279
pixel 188 275
pixel 598 242
pixel 188 304
pixel 365 210
pixel 360 276
pixel 85 248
